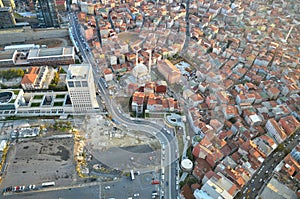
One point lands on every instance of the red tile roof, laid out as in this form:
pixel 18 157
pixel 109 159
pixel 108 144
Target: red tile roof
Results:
pixel 31 76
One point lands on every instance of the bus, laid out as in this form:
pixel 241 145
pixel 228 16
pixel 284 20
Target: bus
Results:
pixel 131 174
pixel 162 174
pixel 48 184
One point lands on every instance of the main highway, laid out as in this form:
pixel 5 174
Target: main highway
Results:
pixel 168 185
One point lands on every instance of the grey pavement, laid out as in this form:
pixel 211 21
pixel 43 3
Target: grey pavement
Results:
pixel 89 192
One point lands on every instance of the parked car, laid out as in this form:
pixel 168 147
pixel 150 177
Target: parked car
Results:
pixel 16 188
pixel 22 188
pixel 31 187
pixel 8 189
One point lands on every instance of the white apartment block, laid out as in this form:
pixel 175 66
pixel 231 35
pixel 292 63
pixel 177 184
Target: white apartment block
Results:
pixel 275 131
pixel 81 87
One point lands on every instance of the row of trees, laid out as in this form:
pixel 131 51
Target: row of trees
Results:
pixel 11 73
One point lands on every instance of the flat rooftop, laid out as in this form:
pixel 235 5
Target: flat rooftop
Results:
pixel 78 71
pixel 68 50
pixel 47 52
pixel 6 55
pixel 50 52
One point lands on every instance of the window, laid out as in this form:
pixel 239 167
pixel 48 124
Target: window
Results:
pixel 71 84
pixel 84 84
pixel 78 84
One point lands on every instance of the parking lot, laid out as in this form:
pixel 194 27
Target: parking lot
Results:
pixel 141 187
pixel 91 192
pixel 40 160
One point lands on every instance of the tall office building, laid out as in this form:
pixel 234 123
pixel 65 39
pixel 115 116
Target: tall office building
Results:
pixel 81 87
pixel 47 13
pixel 8 3
pixel 7 19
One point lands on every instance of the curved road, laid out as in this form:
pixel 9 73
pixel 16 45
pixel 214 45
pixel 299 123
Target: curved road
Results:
pixel 149 127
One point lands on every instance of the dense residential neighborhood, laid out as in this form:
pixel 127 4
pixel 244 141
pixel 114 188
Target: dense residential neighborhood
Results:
pixel 215 82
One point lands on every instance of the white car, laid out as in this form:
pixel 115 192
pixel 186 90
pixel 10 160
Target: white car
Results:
pixel 260 180
pixel 136 195
pixel 31 187
pixel 107 187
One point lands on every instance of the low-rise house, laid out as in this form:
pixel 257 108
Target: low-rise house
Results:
pixel 195 99
pixel 273 92
pixel 108 74
pixel 290 124
pixel 137 104
pixel 211 101
pixel 160 87
pixel 245 99
pixel 218 186
pixel 216 125
pixel 187 93
pixel 203 86
pixel 201 167
pixel 253 120
pixel 230 112
pixel 265 144
pixel 222 97
pixel 290 89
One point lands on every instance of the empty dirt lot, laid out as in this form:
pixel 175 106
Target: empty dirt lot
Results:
pixel 40 160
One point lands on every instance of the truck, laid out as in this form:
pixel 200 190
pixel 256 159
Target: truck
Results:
pixel 132 174
pixel 48 184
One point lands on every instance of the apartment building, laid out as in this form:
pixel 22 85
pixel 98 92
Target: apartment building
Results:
pixel 275 131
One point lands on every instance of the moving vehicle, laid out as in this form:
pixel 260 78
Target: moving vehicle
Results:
pixel 103 81
pixel 155 182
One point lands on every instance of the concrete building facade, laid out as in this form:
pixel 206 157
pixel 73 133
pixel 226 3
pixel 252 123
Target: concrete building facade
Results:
pixel 81 87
